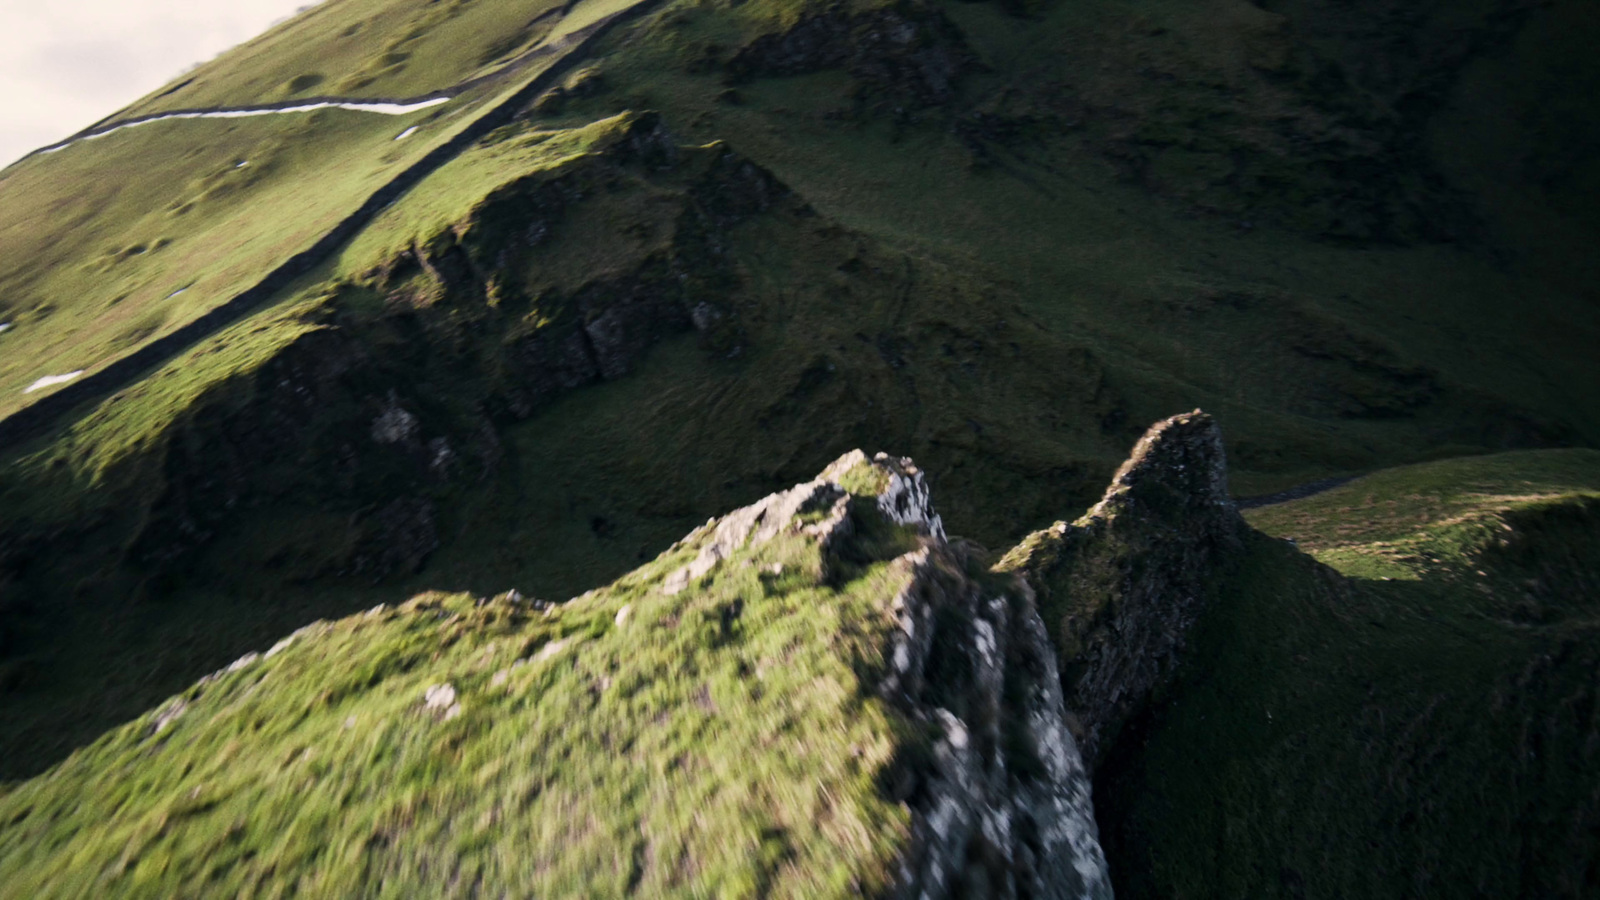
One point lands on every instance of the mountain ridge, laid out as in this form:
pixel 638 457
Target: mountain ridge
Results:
pixel 728 244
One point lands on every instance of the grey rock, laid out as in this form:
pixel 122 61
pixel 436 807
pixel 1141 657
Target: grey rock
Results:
pixel 1003 808
pixel 440 699
pixel 1120 588
pixel 1000 800
pixel 395 425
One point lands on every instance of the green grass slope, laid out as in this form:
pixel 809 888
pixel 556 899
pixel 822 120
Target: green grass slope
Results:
pixel 999 237
pixel 624 741
pixel 114 242
pixel 206 491
pixel 1418 720
pixel 740 717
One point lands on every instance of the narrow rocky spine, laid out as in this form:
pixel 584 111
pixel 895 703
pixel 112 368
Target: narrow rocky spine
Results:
pixel 1120 588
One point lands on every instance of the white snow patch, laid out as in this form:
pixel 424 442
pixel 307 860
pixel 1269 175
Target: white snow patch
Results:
pixel 5 327
pixel 51 381
pixel 407 133
pixel 242 164
pixel 177 292
pixel 385 109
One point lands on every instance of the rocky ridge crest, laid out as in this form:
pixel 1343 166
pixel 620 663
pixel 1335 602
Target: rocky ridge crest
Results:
pixel 1000 798
pixel 1120 588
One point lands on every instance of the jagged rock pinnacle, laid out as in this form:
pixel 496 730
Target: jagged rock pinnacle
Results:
pixel 1120 588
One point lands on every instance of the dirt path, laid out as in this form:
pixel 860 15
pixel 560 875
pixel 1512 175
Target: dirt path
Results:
pixel 1298 492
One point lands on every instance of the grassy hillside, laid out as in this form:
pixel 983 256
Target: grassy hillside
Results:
pixel 742 716
pixel 1420 723
pixel 363 48
pixel 738 239
pixel 114 242
pixel 975 261
pixel 625 741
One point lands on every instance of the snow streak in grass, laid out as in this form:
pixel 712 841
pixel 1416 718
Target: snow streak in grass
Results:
pixel 387 109
pixel 51 381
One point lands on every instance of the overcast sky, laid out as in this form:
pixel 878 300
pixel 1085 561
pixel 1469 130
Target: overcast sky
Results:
pixel 67 63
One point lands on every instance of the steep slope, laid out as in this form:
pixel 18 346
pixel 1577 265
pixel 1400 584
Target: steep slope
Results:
pixel 438 400
pixel 818 695
pixel 1420 722
pixel 823 694
pixel 1418 719
pixel 127 246
pixel 1121 588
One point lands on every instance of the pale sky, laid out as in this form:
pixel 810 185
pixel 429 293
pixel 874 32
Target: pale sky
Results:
pixel 65 64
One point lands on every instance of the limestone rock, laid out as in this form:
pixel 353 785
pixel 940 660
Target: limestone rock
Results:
pixel 440 699
pixel 1120 588
pixel 1003 807
pixel 904 500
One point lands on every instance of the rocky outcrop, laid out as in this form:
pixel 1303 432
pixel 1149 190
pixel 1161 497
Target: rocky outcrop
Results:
pixel 910 51
pixel 1002 800
pixel 1120 588
pixel 817 695
pixel 1002 804
pixel 999 795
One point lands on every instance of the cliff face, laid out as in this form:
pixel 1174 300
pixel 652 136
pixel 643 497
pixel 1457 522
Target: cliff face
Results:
pixel 1120 588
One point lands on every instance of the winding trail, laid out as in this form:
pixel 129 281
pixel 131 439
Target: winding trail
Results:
pixel 1298 492
pixel 35 419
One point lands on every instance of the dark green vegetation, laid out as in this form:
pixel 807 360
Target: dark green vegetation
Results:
pixel 1424 721
pixel 741 238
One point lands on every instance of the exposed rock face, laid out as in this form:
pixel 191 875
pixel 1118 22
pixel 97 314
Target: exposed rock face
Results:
pixel 1120 588
pixel 910 51
pixel 902 498
pixel 1003 807
pixel 999 795
pixel 395 425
